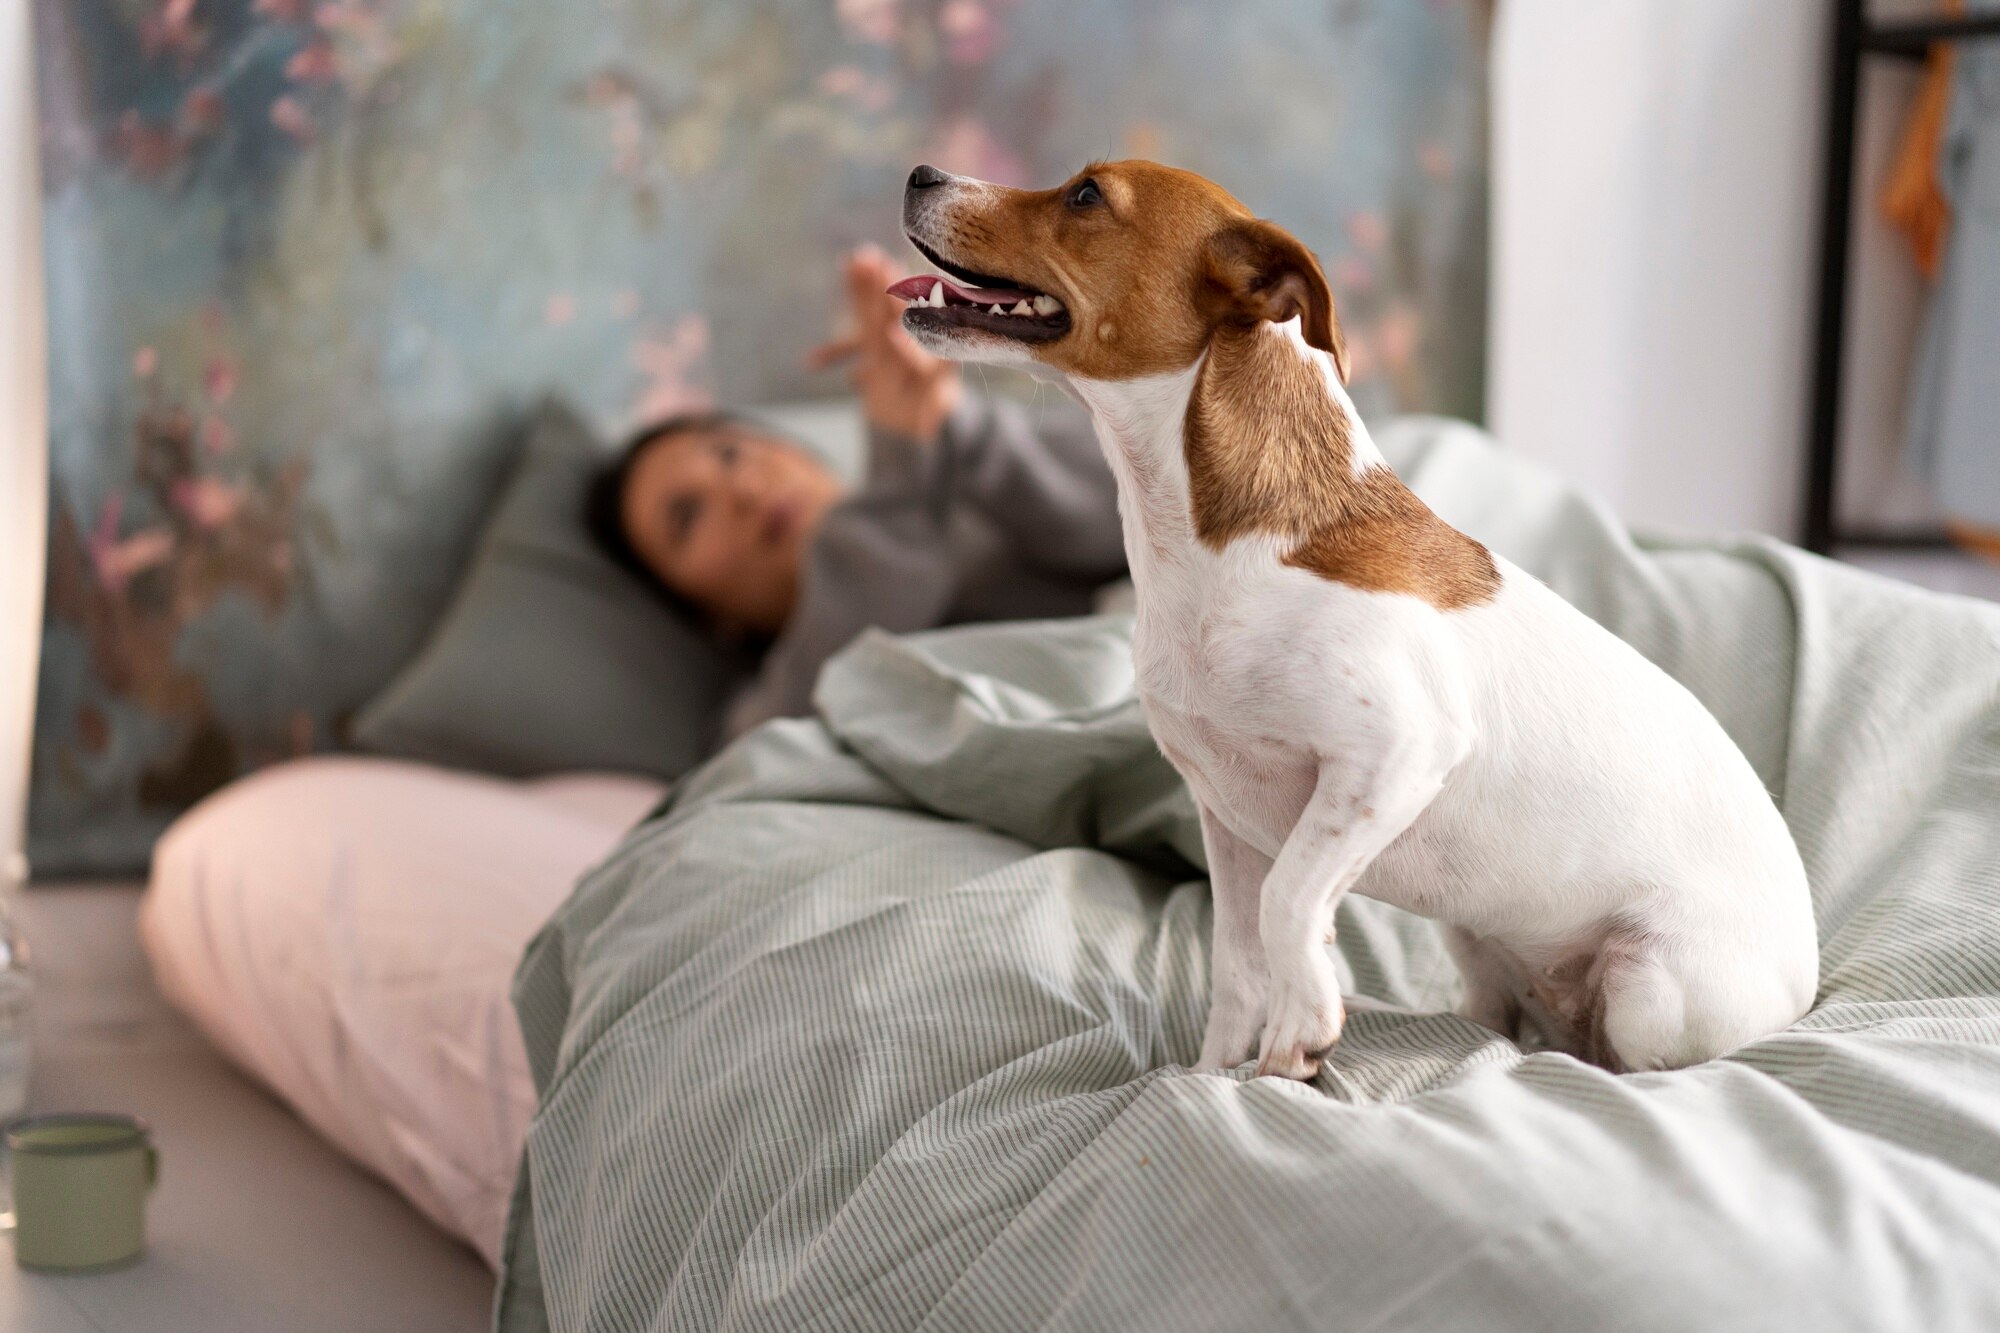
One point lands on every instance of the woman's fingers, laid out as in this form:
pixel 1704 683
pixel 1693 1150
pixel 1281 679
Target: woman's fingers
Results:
pixel 865 266
pixel 833 353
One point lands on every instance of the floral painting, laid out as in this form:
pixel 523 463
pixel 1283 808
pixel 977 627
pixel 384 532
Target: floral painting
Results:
pixel 305 257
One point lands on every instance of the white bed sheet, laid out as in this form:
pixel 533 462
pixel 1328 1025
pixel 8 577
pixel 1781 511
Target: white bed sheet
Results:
pixel 346 929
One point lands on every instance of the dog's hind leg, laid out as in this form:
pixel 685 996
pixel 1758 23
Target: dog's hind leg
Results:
pixel 1658 1007
pixel 1237 980
pixel 1637 1017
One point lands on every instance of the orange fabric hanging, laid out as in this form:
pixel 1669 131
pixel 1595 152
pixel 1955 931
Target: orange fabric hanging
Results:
pixel 1913 199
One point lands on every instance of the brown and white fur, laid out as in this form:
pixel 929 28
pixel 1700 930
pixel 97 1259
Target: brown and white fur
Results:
pixel 1359 695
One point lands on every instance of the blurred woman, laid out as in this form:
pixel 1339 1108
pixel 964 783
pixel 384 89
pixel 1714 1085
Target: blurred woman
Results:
pixel 966 511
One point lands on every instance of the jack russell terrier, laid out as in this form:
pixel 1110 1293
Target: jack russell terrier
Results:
pixel 1359 695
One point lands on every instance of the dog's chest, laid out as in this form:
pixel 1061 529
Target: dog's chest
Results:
pixel 1218 690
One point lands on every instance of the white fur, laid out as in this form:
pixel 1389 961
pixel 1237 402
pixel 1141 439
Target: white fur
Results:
pixel 1580 826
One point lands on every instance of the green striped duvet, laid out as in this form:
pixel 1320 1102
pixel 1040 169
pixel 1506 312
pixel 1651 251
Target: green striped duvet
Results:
pixel 885 1023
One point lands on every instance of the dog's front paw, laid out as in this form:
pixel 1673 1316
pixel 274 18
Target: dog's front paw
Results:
pixel 1231 1037
pixel 1303 1023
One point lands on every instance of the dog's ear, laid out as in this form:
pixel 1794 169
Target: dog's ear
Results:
pixel 1258 270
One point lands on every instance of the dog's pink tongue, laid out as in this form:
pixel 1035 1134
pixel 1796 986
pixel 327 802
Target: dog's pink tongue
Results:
pixel 919 288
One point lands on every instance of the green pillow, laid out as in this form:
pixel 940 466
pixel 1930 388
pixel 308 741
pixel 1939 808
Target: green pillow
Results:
pixel 551 656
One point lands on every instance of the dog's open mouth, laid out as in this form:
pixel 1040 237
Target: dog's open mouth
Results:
pixel 980 301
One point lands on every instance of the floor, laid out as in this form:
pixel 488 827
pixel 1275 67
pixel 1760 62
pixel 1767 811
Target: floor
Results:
pixel 257 1226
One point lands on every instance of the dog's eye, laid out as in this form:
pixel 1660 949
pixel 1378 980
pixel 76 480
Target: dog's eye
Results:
pixel 1084 194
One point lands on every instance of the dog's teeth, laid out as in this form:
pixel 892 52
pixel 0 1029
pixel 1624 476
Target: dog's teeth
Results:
pixel 1022 308
pixel 995 310
pixel 937 293
pixel 1047 305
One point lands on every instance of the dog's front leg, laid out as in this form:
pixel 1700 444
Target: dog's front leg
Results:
pixel 1356 810
pixel 1237 982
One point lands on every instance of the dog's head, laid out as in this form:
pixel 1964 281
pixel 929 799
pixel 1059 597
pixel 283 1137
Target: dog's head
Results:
pixel 1126 269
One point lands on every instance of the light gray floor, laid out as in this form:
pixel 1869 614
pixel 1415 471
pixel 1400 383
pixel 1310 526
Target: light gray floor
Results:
pixel 257 1225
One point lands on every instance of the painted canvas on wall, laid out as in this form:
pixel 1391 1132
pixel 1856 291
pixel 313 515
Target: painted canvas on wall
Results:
pixel 304 256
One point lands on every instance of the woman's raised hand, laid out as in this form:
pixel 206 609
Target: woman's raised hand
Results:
pixel 903 388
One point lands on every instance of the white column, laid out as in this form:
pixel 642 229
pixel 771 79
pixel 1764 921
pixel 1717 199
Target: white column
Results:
pixel 1656 166
pixel 23 428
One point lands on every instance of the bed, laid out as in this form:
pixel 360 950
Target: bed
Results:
pixel 884 1019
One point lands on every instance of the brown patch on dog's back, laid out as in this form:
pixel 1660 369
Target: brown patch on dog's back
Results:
pixel 1269 451
pixel 1394 543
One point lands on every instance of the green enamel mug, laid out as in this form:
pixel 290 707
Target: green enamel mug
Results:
pixel 80 1186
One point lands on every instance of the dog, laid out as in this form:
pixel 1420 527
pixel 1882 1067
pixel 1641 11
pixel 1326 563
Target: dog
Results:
pixel 1360 696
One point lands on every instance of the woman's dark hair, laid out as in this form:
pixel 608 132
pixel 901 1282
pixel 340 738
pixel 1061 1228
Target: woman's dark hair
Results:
pixel 604 498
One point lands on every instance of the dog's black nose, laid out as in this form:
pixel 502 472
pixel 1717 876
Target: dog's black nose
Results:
pixel 926 176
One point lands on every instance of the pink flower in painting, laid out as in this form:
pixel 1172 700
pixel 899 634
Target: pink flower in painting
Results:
pixel 177 18
pixel 1352 274
pixel 965 146
pixel 144 362
pixel 219 380
pixel 873 21
pixel 171 27
pixel 1360 354
pixel 1435 160
pixel 970 34
pixel 289 115
pixel 118 560
pixel 675 367
pixel 147 149
pixel 1369 231
pixel 628 136
pixel 858 86
pixel 843 80
pixel 201 111
pixel 614 93
pixel 109 515
pixel 372 48
pixel 344 15
pixel 217 436
pixel 559 310
pixel 208 502
pixel 1397 336
pixel 313 64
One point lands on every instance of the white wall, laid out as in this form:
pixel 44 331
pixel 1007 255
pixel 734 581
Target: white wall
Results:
pixel 1657 168
pixel 23 425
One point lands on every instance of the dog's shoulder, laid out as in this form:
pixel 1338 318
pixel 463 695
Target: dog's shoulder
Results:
pixel 1390 541
pixel 1271 449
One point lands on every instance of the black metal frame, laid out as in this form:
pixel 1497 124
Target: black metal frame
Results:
pixel 1854 36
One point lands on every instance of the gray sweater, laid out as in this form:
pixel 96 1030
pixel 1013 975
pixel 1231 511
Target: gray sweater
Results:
pixel 1003 518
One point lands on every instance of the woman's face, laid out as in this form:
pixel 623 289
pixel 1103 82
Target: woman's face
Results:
pixel 723 516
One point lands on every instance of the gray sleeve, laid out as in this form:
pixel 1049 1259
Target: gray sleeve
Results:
pixel 1042 482
pixel 882 557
